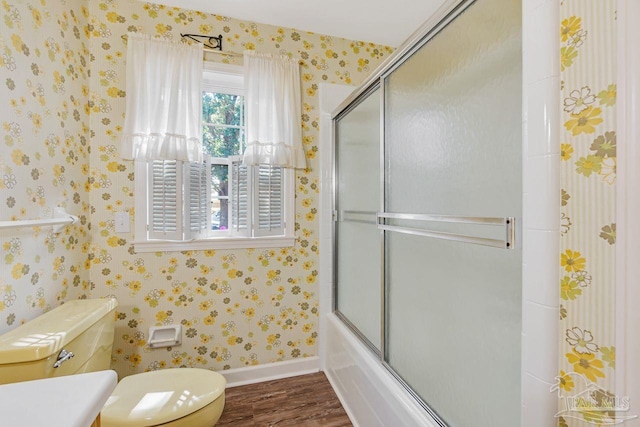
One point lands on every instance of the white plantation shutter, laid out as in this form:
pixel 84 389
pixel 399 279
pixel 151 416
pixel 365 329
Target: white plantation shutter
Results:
pixel 165 201
pixel 198 195
pixel 269 200
pixel 179 198
pixel 239 200
pixel 256 199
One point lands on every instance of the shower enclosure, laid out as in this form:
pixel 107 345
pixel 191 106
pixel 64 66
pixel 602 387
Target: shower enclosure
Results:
pixel 428 203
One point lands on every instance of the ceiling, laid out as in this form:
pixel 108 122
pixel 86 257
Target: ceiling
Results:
pixel 384 22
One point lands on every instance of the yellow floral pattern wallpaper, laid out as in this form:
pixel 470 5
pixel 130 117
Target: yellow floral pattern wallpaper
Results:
pixel 63 74
pixel 44 154
pixel 588 224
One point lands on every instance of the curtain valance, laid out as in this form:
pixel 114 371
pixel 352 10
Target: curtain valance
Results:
pixel 163 118
pixel 273 111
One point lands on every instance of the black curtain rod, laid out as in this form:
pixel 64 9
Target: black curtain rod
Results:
pixel 209 42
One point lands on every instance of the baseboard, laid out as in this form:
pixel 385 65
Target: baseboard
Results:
pixel 271 371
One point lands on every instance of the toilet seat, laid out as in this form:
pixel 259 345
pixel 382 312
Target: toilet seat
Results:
pixel 160 397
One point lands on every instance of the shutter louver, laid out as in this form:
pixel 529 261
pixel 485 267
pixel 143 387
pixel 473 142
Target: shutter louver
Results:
pixel 239 198
pixel 269 200
pixel 198 195
pixel 165 201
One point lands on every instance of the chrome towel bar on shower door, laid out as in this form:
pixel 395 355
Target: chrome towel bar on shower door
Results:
pixel 507 222
pixel 363 217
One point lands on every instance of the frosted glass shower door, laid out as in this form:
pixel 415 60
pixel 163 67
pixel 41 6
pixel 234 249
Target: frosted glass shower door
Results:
pixel 453 126
pixel 358 252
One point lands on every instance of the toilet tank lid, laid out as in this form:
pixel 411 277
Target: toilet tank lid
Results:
pixel 48 333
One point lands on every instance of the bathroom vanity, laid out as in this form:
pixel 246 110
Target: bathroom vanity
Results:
pixel 72 400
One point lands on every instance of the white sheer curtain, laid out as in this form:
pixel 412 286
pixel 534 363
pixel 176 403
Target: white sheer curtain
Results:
pixel 273 111
pixel 163 118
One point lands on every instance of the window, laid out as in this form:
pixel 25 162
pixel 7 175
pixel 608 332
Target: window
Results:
pixel 219 203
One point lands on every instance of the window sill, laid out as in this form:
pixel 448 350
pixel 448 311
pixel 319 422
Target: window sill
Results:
pixel 213 243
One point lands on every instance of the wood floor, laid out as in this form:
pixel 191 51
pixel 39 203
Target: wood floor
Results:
pixel 305 401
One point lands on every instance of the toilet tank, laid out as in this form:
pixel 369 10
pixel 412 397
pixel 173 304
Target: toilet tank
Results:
pixel 82 327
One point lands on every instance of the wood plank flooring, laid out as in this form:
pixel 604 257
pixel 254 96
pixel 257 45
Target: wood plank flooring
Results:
pixel 304 401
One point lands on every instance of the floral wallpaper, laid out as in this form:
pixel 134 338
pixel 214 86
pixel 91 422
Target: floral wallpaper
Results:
pixel 236 307
pixel 44 154
pixel 62 94
pixel 588 216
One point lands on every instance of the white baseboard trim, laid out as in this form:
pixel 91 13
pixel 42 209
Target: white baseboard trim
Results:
pixel 271 371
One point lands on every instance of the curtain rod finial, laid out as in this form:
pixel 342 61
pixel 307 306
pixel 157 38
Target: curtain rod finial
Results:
pixel 210 42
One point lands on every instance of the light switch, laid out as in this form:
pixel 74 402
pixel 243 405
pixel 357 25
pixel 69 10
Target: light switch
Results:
pixel 122 222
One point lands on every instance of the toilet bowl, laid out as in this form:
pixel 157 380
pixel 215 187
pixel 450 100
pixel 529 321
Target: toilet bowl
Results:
pixel 40 349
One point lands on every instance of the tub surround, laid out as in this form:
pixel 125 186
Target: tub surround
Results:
pixel 541 212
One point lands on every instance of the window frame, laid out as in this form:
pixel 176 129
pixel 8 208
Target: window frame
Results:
pixel 223 78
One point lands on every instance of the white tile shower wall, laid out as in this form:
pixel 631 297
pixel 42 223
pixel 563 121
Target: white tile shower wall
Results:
pixel 542 190
pixel 628 205
pixel 541 211
pixel 540 35
pixel 538 321
pixel 541 268
pixel 537 411
pixel 542 117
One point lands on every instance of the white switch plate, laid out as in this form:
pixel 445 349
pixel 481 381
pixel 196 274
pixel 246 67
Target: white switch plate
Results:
pixel 122 222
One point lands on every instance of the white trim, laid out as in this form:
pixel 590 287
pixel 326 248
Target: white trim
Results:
pixel 270 371
pixel 220 67
pixel 213 243
pixel 628 206
pixel 141 244
pixel 331 95
pixel 541 212
pixel 225 78
pixel 141 201
pixel 223 83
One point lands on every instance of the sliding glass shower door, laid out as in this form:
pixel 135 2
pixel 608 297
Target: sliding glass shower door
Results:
pixel 448 209
pixel 359 297
pixel 453 136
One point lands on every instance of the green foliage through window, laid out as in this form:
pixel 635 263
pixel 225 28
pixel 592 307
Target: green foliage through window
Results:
pixel 222 137
pixel 223 124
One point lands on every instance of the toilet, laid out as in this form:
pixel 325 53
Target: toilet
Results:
pixel 41 348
